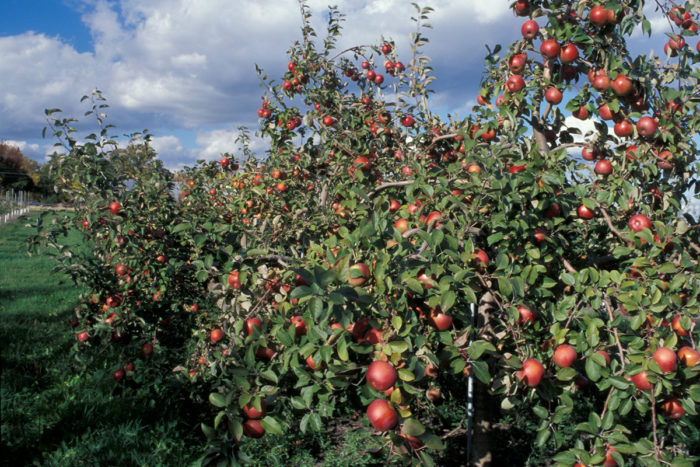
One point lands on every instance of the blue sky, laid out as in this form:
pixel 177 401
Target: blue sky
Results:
pixel 184 69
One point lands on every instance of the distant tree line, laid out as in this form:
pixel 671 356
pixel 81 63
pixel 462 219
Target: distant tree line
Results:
pixel 21 173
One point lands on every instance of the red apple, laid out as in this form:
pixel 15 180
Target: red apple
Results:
pixel 598 16
pixel 603 167
pixel 531 372
pixel 688 356
pixel 216 335
pixel 515 83
pixel 114 207
pixel 581 113
pixel 299 325
pixel 550 48
pixel 672 408
pixel 622 85
pixel 568 53
pixel 381 375
pixel 623 128
pixel 666 359
pixel 564 355
pixel 312 364
pixel 516 63
pixel 481 257
pixel 358 274
pixel 646 127
pixel 641 381
pixel 584 213
pixel 119 375
pixel 677 327
pixel 530 29
pixel 251 324
pixel 253 429
pixel 441 321
pixel 527 315
pixel 605 356
pixel 553 95
pixel 252 413
pixel 639 222
pixel 147 349
pixel 381 415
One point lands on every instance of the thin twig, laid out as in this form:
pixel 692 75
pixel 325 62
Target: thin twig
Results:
pixel 610 224
pixel 608 307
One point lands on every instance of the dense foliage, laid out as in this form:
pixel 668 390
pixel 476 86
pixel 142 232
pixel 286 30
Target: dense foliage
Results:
pixel 341 269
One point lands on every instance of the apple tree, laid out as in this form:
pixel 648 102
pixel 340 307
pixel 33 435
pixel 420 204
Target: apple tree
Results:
pixel 380 254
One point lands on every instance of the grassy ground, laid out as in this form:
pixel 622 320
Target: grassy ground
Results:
pixel 52 412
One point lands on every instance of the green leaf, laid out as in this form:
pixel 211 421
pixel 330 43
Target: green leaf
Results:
pixel 592 370
pixel 540 411
pixel 481 371
pixel 271 425
pixel 568 279
pixel 406 374
pixel 542 436
pixel 566 374
pixel 342 349
pixel 270 376
pixel 217 400
pixel 396 322
pixel 447 300
pixel 412 427
pixel 477 348
pixel 208 431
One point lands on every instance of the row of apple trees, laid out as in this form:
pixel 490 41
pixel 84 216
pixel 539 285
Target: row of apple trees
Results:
pixel 340 267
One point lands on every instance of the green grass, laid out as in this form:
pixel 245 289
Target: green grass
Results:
pixel 55 411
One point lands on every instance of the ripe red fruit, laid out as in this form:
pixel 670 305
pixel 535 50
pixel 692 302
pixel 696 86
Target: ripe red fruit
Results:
pixel 224 162
pixel 251 323
pixel 568 53
pixel 666 359
pixel 599 16
pixel 381 375
pixel 401 225
pixel 609 459
pixel 522 7
pixel 550 48
pixel 530 29
pixel 394 205
pixel 665 160
pixel 531 372
pixel 513 169
pixel 481 257
pixel 147 349
pixel 517 62
pixel 581 113
pixel 233 280
pixel 646 127
pixel 253 429
pixel 603 167
pixel 622 85
pixel 526 315
pixel 287 85
pixel 441 321
pixel 564 355
pixel 639 222
pixel 672 408
pixel 114 207
pixel 601 83
pixel 515 83
pixel 641 381
pixel 312 364
pixel 121 270
pixel 605 112
pixel 378 79
pixel 299 325
pixel 623 128
pixel 83 336
pixel 677 327
pixel 356 279
pixel 119 375
pixel 407 121
pixel 553 95
pixel 584 213
pixel 328 120
pixel 688 356
pixel 252 413
pixel 386 49
pixel 216 335
pixel 588 154
pixel 433 218
pixel 381 415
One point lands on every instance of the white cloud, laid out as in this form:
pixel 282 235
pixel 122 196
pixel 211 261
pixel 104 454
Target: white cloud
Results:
pixel 173 64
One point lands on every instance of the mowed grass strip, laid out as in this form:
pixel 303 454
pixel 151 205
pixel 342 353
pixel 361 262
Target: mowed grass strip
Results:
pixel 54 410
